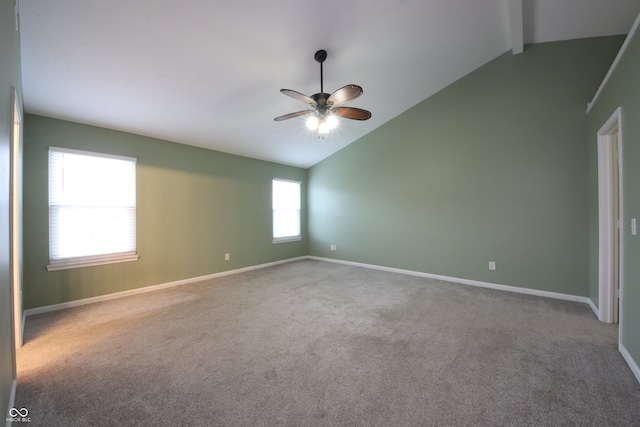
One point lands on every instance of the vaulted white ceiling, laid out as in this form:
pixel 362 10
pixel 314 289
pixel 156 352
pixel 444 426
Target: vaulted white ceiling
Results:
pixel 208 73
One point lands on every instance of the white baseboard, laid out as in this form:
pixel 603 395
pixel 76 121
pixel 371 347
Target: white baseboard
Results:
pixel 632 363
pixel 77 303
pixel 12 402
pixel 625 353
pixel 594 308
pixel 527 291
pixel 33 311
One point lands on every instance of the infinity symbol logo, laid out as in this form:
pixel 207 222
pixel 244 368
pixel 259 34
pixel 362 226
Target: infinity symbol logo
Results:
pixel 22 412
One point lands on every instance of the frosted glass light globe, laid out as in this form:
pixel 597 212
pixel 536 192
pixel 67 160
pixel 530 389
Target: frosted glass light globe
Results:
pixel 312 123
pixel 332 121
pixel 323 128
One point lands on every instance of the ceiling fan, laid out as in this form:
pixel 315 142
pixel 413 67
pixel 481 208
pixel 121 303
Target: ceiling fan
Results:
pixel 326 108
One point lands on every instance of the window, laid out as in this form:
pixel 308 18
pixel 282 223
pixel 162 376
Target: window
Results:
pixel 286 211
pixel 92 209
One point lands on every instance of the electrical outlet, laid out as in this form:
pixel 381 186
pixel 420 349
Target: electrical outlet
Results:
pixel 492 265
pixel 226 257
pixel 334 248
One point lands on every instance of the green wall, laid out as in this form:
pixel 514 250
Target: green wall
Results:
pixel 193 206
pixel 9 77
pixel 622 90
pixel 492 168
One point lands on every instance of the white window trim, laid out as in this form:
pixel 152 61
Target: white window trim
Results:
pixel 93 154
pixel 90 261
pixel 69 263
pixel 286 239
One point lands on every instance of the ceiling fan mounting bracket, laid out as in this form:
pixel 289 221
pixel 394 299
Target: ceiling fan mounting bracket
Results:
pixel 320 55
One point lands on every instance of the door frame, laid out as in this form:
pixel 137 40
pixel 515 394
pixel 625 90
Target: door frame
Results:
pixel 15 219
pixel 608 296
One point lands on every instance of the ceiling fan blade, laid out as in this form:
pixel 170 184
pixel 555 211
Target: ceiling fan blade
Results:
pixel 353 113
pixel 292 115
pixel 344 94
pixel 298 96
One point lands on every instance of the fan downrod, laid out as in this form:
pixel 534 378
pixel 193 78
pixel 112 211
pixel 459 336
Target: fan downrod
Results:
pixel 320 56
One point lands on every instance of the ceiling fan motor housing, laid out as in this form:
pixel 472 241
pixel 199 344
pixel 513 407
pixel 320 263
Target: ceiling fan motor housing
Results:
pixel 321 99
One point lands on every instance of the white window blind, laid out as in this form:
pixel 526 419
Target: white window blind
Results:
pixel 92 208
pixel 286 210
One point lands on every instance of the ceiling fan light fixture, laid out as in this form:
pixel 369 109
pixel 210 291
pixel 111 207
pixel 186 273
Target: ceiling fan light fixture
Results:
pixel 323 128
pixel 325 108
pixel 312 122
pixel 322 122
pixel 332 121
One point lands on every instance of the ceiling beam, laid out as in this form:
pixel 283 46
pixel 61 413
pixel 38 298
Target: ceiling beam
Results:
pixel 517 26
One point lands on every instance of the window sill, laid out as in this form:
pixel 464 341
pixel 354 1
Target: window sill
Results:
pixel 287 239
pixel 79 263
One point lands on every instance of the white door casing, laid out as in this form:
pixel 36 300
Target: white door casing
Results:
pixel 610 202
pixel 16 219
